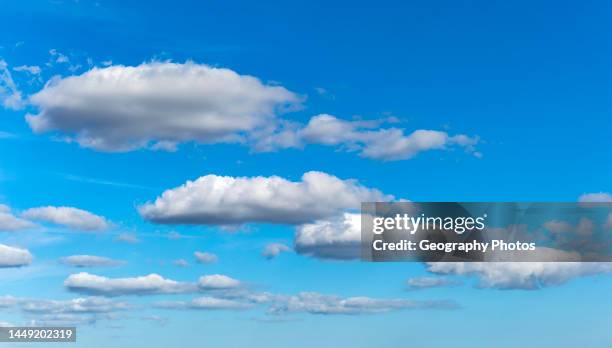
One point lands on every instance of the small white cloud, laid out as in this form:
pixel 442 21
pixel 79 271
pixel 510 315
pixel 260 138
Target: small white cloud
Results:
pixel 14 257
pixel 90 261
pixel 33 69
pixel 430 282
pixel 9 222
pixel 272 250
pixel 218 281
pixel 205 257
pixel 58 57
pixel 74 218
pixel 151 284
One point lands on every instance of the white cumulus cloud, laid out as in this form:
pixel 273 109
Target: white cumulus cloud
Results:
pixel 205 257
pixel 122 108
pixel 335 238
pixel 217 281
pixel 14 257
pixel 366 137
pixel 9 222
pixel 226 200
pixel 68 216
pixel 151 284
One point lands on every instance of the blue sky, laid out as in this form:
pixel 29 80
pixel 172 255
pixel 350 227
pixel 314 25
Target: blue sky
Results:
pixel 514 99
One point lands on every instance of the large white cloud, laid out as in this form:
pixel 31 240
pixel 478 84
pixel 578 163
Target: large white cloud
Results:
pixel 9 222
pixel 157 104
pixel 335 238
pixel 225 200
pixel 151 284
pixel 68 216
pixel 521 275
pixel 14 257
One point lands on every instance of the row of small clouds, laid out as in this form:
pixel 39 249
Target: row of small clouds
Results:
pixel 317 206
pixel 219 292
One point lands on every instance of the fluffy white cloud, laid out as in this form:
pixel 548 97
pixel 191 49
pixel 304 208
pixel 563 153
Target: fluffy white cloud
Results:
pixel 204 257
pixel 336 238
pixel 430 282
pixel 316 303
pixel 272 250
pixel 151 284
pixel 217 282
pixel 90 261
pixel 364 136
pixel 9 222
pixel 14 257
pixel 599 197
pixel 67 216
pixel 225 200
pixel 122 108
pixel 521 275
